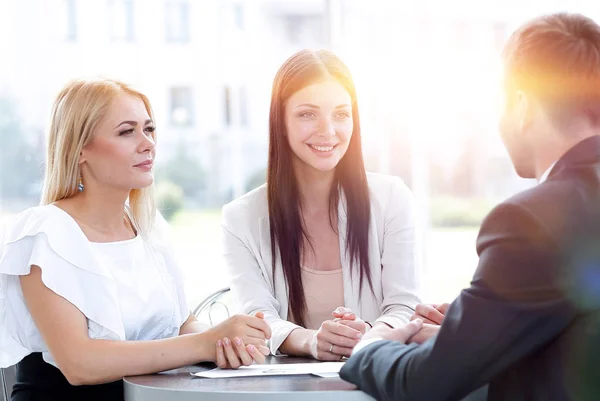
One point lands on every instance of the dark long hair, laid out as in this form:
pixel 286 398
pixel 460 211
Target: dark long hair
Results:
pixel 286 223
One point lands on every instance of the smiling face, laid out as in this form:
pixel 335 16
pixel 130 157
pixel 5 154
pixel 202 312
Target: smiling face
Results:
pixel 319 125
pixel 121 153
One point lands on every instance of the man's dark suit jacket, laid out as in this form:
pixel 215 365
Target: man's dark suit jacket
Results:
pixel 529 324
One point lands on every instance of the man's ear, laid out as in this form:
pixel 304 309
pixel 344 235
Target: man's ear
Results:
pixel 524 108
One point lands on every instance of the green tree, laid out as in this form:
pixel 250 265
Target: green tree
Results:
pixel 183 170
pixel 169 198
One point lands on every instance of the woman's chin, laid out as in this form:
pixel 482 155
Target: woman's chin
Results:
pixel 142 184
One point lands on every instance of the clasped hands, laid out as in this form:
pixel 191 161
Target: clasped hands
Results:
pixel 425 324
pixel 334 340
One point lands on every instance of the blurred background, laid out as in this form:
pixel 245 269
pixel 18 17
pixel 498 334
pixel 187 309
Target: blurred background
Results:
pixel 427 74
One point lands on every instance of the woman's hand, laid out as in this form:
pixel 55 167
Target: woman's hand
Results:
pixel 431 314
pixel 426 332
pixel 233 354
pixel 348 318
pixel 341 312
pixel 250 330
pixel 334 340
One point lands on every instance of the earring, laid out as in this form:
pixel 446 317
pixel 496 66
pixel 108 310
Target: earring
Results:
pixel 80 184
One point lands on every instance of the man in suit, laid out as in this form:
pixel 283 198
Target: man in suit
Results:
pixel 529 324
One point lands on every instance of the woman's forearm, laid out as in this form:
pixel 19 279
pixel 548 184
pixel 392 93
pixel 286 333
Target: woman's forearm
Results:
pixel 104 361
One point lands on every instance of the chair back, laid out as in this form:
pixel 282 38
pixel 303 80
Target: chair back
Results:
pixel 215 308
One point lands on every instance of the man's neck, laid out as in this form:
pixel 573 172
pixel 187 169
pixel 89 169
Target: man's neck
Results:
pixel 549 153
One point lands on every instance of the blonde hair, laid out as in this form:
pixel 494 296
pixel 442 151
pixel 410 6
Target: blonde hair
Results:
pixel 76 112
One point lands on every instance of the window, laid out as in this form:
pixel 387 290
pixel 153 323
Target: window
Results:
pixel 238 16
pixel 227 105
pixel 120 20
pixel 70 23
pixel 177 28
pixel 243 106
pixel 182 106
pixel 304 30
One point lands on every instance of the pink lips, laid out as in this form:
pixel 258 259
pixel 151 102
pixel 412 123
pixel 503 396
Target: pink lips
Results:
pixel 147 164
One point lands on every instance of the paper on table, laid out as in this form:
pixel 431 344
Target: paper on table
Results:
pixel 326 375
pixel 324 368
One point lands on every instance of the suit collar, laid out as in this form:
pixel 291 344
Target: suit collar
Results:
pixel 585 152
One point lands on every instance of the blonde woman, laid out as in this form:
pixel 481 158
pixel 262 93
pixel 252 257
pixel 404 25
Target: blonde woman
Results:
pixel 89 289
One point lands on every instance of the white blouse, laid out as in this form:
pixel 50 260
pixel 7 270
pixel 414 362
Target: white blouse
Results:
pixel 127 290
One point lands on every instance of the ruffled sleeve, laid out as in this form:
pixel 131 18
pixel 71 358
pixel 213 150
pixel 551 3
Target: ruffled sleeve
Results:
pixel 47 237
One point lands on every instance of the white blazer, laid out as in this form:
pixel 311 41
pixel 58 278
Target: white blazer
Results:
pixel 247 251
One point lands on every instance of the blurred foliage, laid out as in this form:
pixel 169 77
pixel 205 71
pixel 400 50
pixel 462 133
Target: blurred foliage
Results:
pixel 169 198
pixel 21 156
pixel 459 212
pixel 256 179
pixel 183 170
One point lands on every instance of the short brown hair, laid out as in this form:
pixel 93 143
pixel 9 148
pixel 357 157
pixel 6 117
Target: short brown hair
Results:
pixel 556 58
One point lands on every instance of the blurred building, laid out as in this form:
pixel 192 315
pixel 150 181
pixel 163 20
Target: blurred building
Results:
pixel 426 73
pixel 207 67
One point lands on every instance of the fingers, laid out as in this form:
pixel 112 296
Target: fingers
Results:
pixel 418 338
pixel 260 315
pixel 323 353
pixel 357 324
pixel 253 341
pixel 221 361
pixel 328 339
pixel 259 324
pixel 443 308
pixel 255 333
pixel 427 331
pixel 425 320
pixel 342 312
pixel 233 354
pixel 325 338
pixel 339 351
pixel 230 354
pixel 341 330
pixel 264 350
pixel 430 313
pixel 256 354
pixel 403 334
pixel 242 353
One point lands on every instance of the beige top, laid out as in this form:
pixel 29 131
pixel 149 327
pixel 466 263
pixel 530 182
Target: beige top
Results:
pixel 324 291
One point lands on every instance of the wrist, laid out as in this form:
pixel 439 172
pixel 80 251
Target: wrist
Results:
pixel 205 345
pixel 384 324
pixel 299 342
pixel 309 346
pixel 364 343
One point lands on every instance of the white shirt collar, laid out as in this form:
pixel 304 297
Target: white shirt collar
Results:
pixel 544 176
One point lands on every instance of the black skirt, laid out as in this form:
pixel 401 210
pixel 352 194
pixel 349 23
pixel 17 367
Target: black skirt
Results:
pixel 37 380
